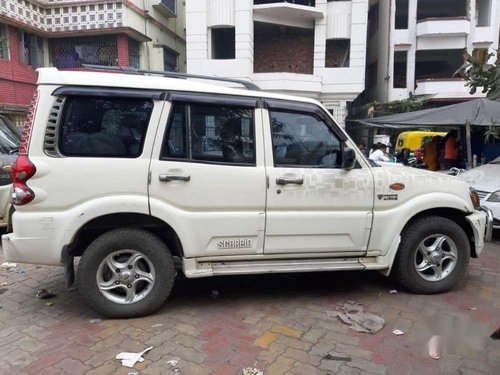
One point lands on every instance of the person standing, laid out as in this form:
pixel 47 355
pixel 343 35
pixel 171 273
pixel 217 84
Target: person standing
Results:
pixel 451 150
pixel 431 154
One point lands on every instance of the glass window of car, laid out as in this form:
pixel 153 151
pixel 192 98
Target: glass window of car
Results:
pixel 9 138
pixel 303 139
pixel 219 134
pixel 104 127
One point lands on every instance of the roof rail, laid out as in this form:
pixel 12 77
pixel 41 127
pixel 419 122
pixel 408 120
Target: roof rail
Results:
pixel 130 70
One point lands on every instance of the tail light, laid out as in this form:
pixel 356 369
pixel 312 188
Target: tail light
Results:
pixel 23 169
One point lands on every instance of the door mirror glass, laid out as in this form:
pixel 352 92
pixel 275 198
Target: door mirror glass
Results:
pixel 349 159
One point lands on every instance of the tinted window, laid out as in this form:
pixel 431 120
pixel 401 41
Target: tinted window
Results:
pixel 222 134
pixel 100 127
pixel 301 139
pixel 9 139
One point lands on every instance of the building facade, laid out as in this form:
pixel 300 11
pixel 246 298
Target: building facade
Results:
pixel 313 48
pixel 67 34
pixel 416 46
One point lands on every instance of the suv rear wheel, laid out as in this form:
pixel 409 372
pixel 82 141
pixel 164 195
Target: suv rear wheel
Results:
pixel 126 273
pixel 433 256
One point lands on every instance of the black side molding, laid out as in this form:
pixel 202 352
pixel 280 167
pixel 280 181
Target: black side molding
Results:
pixel 108 92
pixel 215 99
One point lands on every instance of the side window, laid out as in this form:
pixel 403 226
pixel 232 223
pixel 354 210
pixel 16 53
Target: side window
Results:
pixel 220 134
pixel 104 127
pixel 302 139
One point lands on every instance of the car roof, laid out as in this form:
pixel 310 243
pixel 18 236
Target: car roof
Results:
pixel 53 76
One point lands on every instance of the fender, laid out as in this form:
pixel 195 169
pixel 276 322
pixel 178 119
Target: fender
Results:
pixel 388 224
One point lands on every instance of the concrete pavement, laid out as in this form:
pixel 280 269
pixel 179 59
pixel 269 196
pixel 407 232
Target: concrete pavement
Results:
pixel 278 323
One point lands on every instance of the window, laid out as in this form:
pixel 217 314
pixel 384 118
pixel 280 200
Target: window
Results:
pixel 73 52
pixel 220 134
pixel 9 140
pixel 30 49
pixel 4 42
pixel 104 127
pixel 401 14
pixel 170 5
pixel 134 56
pixel 170 58
pixel 223 43
pixel 337 53
pixel 301 139
pixel 483 13
pixel 400 68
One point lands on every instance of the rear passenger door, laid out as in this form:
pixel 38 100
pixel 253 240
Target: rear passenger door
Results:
pixel 207 174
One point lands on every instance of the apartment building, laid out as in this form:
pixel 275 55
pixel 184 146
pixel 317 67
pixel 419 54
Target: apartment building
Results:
pixel 67 34
pixel 313 48
pixel 416 46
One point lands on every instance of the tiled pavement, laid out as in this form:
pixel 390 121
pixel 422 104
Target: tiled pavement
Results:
pixel 278 323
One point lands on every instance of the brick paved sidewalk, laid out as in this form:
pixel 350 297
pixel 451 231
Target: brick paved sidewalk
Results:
pixel 278 323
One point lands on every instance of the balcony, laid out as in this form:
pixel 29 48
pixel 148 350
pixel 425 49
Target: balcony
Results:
pixel 295 13
pixel 444 88
pixel 166 7
pixel 431 27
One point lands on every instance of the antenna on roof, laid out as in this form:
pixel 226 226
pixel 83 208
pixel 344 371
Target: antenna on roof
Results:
pixel 130 70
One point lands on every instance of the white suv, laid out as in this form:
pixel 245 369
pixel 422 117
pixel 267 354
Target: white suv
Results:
pixel 142 175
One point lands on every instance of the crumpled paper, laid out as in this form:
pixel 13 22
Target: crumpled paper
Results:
pixel 130 359
pixel 353 314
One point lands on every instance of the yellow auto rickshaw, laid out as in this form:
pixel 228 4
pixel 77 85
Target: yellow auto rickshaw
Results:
pixel 414 140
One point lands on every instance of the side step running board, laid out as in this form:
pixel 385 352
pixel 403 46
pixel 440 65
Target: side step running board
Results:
pixel 193 269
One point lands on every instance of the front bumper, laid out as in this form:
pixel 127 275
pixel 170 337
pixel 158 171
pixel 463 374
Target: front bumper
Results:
pixel 488 232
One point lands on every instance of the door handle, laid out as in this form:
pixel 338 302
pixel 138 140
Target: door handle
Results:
pixel 290 180
pixel 174 177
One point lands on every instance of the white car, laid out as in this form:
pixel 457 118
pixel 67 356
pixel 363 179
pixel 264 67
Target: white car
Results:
pixel 486 180
pixel 116 169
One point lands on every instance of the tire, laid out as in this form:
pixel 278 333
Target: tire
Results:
pixel 144 282
pixel 421 237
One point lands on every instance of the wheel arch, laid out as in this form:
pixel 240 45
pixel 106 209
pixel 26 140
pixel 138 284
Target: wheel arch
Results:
pixel 104 223
pixel 453 214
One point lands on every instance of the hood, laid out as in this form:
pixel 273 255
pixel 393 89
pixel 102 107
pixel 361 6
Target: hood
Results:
pixel 483 178
pixel 418 172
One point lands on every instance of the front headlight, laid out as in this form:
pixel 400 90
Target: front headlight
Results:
pixel 474 197
pixel 495 197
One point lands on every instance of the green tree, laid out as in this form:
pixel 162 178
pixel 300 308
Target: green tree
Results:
pixel 480 74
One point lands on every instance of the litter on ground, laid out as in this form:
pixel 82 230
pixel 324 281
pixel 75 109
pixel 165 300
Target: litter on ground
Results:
pixel 130 359
pixel 330 357
pixel 251 371
pixel 8 266
pixel 397 332
pixel 45 293
pixel 393 291
pixel 353 314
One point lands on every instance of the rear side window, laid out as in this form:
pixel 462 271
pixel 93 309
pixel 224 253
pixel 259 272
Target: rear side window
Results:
pixel 104 127
pixel 217 134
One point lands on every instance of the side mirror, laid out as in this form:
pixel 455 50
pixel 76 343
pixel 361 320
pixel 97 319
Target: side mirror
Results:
pixel 348 159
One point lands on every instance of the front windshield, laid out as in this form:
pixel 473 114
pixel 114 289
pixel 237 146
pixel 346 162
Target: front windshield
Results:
pixel 9 139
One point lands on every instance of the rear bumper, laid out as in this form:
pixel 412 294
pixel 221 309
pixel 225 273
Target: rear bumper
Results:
pixel 30 250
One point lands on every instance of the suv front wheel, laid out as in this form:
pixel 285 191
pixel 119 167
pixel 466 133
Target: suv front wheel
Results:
pixel 126 273
pixel 433 256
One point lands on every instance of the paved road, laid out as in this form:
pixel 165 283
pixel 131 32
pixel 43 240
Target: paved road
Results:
pixel 277 323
